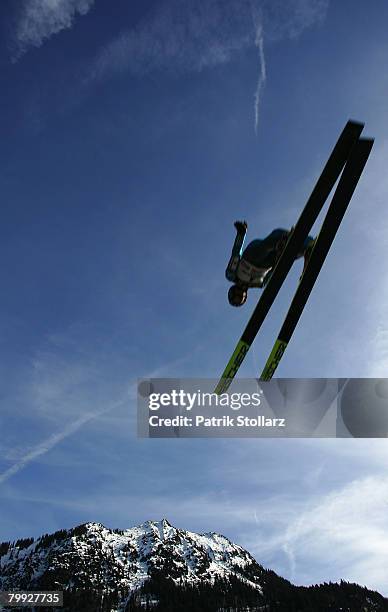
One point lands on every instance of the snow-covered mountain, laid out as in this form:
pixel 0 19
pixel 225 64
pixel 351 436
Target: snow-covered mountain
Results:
pixel 93 556
pixel 160 567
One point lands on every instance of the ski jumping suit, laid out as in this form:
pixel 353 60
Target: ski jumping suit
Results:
pixel 252 268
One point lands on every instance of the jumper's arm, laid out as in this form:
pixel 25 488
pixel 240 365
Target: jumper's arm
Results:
pixel 241 229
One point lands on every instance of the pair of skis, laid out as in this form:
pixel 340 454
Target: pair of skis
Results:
pixel 346 161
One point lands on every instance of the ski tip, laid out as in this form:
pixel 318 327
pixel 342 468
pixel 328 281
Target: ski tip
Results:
pixel 356 124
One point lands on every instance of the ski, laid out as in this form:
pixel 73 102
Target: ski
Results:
pixel 339 204
pixel 314 205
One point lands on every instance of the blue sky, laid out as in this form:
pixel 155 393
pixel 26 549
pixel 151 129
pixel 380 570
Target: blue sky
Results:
pixel 131 141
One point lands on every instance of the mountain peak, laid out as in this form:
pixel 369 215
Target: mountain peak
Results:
pixel 162 529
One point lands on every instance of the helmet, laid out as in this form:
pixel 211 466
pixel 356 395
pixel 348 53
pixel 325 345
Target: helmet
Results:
pixel 237 295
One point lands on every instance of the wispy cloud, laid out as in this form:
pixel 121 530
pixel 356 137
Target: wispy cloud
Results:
pixel 354 520
pixel 64 385
pixel 38 20
pixel 178 36
pixel 52 441
pixel 183 36
pixel 289 19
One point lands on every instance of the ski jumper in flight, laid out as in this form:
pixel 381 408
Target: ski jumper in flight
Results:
pixel 253 266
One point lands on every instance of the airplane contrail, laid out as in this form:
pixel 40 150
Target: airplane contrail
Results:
pixel 52 441
pixel 259 42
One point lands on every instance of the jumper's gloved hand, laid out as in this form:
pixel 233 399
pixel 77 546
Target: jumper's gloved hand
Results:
pixel 241 226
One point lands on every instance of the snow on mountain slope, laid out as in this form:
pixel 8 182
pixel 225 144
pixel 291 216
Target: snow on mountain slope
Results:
pixel 93 556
